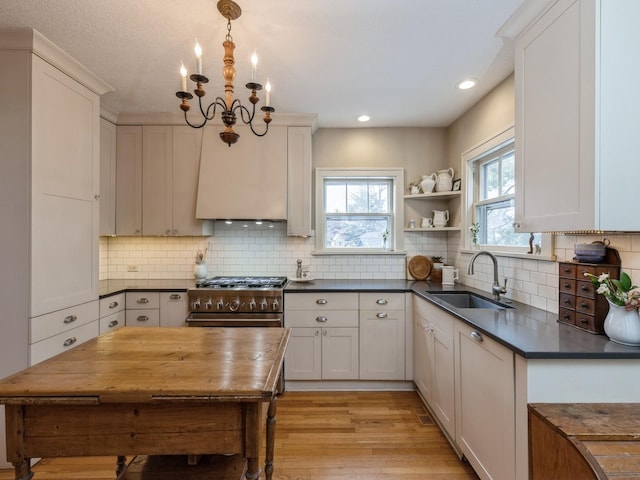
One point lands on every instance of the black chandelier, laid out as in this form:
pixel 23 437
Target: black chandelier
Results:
pixel 230 108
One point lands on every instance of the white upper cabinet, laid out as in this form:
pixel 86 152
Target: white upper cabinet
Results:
pixel 107 177
pixel 577 117
pixel 299 182
pixel 129 180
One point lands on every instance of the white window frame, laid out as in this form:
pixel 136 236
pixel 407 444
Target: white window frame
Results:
pixel 469 159
pixel 396 237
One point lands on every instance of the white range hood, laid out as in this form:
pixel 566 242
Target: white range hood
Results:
pixel 246 181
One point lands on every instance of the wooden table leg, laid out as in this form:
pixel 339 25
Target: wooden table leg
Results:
pixel 15 429
pixel 23 470
pixel 253 438
pixel 120 464
pixel 271 437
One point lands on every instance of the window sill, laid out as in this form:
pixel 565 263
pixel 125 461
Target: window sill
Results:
pixel 527 256
pixel 357 252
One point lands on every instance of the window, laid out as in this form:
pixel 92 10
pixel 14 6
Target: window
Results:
pixel 357 210
pixel 492 196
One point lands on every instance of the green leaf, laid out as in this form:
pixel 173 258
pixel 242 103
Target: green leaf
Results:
pixel 625 282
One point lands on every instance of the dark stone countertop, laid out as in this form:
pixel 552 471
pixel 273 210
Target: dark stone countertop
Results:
pixel 111 287
pixel 528 331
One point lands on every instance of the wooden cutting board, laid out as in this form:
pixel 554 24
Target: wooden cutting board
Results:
pixel 418 267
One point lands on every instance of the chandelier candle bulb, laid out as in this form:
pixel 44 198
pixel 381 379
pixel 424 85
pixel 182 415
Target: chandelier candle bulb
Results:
pixel 267 87
pixel 183 77
pixel 198 50
pixel 254 66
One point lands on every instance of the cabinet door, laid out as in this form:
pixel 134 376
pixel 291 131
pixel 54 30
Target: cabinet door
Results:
pixel 299 181
pixel 174 309
pixel 107 178
pixel 442 362
pixel 422 348
pixel 340 354
pixel 112 322
pixel 143 318
pixel 303 359
pixel 157 184
pixel 555 120
pixel 382 344
pixel 129 180
pixel 485 403
pixel 65 168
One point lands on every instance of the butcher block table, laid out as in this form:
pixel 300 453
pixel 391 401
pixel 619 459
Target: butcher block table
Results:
pixel 150 391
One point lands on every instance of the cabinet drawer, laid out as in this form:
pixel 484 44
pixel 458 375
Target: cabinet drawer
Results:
pixel 382 300
pixel 588 322
pixel 585 289
pixel 53 323
pixel 567 316
pixel 585 305
pixel 321 301
pixel 567 285
pixel 112 304
pixel 143 318
pixel 138 300
pixel 51 346
pixel 596 270
pixel 567 301
pixel 112 322
pixel 328 318
pixel 567 270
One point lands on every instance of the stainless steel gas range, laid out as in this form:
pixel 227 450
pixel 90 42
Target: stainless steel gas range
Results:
pixel 237 301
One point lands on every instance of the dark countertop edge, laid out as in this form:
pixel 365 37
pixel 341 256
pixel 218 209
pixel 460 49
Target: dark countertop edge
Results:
pixel 108 288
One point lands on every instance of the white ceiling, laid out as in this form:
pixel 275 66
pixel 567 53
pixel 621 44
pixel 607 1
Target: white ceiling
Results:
pixel 397 60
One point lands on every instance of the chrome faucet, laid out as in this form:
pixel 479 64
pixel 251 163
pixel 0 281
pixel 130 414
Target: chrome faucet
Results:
pixel 496 289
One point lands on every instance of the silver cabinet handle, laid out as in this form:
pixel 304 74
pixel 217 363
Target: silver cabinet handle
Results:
pixel 324 332
pixel 113 304
pixel 322 301
pixel 321 319
pixel 381 301
pixel 143 300
pixel 69 341
pixel 142 318
pixel 175 231
pixel 477 336
pixel 175 296
pixel 317 332
pixel 113 323
pixel 137 231
pixel 381 315
pixel 97 197
pixel 167 232
pixel 70 319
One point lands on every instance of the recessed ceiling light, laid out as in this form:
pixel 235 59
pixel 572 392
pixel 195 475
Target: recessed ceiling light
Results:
pixel 364 118
pixel 467 84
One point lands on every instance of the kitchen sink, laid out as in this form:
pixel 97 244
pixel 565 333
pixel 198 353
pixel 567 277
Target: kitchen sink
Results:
pixel 462 299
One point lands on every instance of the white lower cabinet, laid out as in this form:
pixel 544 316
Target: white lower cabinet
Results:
pixel 382 336
pixel 485 403
pixel 324 342
pixel 434 361
pixel 174 309
pixel 143 309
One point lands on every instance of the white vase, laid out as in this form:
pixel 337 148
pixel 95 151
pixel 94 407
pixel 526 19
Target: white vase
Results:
pixel 200 270
pixel 622 325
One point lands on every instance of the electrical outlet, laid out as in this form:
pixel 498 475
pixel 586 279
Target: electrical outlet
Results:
pixel 132 268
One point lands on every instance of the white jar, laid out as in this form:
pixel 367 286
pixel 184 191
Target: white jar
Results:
pixel 200 270
pixel 444 180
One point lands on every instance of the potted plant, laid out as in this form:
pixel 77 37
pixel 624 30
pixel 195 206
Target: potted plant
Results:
pixel 475 228
pixel 438 262
pixel 622 323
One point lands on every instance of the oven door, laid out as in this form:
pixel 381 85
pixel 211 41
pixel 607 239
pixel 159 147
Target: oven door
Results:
pixel 235 320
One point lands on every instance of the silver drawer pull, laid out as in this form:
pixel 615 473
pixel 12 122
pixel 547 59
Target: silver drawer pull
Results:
pixel 70 319
pixel 381 315
pixel 113 304
pixel 381 301
pixel 477 336
pixel 142 318
pixel 175 296
pixel 143 300
pixel 321 319
pixel 69 341
pixel 113 323
pixel 321 301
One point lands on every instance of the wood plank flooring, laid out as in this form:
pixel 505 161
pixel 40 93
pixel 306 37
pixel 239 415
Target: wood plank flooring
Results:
pixel 329 436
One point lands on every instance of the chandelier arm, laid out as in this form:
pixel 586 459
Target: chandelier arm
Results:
pixel 245 111
pixel 193 125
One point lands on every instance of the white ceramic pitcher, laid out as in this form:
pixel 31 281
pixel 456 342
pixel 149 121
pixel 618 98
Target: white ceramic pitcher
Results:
pixel 440 218
pixel 449 275
pixel 428 182
pixel 444 180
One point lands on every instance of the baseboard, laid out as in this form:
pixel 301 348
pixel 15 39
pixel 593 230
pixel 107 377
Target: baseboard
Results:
pixel 347 385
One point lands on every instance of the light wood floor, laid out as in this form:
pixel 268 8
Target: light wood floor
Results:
pixel 329 436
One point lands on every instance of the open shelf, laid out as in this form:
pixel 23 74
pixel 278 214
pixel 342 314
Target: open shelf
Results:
pixel 433 196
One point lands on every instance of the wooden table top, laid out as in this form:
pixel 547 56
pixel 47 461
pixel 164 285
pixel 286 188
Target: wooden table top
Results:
pixel 150 365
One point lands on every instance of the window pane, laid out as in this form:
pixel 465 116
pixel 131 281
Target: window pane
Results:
pixel 496 222
pixel 352 231
pixel 379 194
pixel 335 197
pixel 357 198
pixel 490 180
pixel 508 174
